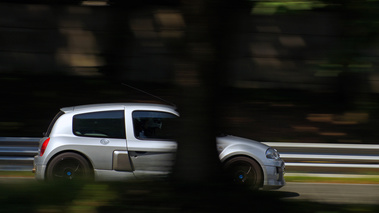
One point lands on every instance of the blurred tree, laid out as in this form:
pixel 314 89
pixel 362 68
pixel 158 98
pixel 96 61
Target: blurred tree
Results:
pixel 196 80
pixel 197 60
pixel 355 54
pixel 200 77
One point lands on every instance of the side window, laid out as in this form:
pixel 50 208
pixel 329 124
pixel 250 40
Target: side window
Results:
pixel 153 125
pixel 106 124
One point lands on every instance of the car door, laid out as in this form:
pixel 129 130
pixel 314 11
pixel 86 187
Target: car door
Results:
pixel 149 142
pixel 99 135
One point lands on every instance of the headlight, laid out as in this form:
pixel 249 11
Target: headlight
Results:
pixel 272 153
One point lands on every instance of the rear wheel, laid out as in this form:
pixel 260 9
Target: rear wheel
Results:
pixel 68 167
pixel 245 172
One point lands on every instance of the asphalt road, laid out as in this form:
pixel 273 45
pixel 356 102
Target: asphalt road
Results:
pixel 332 193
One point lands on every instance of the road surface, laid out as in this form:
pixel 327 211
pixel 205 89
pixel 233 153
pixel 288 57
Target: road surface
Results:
pixel 331 193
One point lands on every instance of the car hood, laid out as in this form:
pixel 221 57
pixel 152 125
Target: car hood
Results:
pixel 228 140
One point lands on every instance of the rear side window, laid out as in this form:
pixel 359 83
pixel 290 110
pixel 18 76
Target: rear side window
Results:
pixel 154 125
pixel 105 124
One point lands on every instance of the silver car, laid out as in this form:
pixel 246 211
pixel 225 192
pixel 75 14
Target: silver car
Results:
pixel 132 140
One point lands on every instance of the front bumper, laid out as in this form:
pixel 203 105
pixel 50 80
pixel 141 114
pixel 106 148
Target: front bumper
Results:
pixel 275 177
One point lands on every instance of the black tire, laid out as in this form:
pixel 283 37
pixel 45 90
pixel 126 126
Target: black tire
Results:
pixel 244 172
pixel 68 166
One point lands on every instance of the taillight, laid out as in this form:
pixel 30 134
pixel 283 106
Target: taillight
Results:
pixel 43 147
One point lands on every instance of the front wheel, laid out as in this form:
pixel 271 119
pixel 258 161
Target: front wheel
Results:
pixel 245 172
pixel 67 167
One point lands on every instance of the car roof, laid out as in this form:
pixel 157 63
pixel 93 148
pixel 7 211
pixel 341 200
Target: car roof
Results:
pixel 117 106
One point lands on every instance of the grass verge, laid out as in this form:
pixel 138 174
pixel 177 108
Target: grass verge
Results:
pixel 352 179
pixel 16 174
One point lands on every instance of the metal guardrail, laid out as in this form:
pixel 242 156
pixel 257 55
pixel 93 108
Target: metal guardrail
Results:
pixel 329 158
pixel 16 154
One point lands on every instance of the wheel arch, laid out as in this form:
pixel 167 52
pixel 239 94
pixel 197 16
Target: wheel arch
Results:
pixel 228 158
pixel 70 151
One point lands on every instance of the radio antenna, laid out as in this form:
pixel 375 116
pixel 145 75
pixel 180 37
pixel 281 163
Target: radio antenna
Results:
pixel 147 93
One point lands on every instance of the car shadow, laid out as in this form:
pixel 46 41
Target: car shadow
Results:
pixel 285 194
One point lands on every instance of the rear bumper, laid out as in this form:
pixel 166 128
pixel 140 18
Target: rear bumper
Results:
pixel 39 169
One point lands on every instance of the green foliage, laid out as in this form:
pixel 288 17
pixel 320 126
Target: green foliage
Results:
pixel 151 196
pixel 280 6
pixel 356 180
